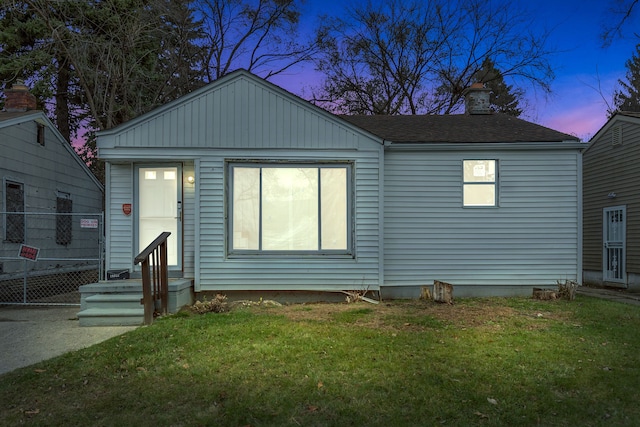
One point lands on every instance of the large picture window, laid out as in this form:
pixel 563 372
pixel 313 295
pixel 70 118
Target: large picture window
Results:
pixel 479 187
pixel 290 208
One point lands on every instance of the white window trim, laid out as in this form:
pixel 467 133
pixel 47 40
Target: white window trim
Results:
pixel 494 183
pixel 349 252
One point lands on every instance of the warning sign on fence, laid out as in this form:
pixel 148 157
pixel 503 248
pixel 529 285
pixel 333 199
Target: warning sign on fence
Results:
pixel 88 223
pixel 28 252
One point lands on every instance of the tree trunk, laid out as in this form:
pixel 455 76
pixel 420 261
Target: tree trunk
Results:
pixel 62 99
pixel 442 292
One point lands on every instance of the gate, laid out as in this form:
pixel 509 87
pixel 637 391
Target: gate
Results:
pixel 613 236
pixel 45 257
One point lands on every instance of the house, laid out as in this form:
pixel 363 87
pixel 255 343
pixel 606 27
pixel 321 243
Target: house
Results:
pixel 46 192
pixel 612 204
pixel 264 192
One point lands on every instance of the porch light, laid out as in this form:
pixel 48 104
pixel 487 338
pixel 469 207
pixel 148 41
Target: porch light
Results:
pixel 191 179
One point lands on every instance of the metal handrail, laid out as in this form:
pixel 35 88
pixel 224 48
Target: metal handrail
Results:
pixel 155 277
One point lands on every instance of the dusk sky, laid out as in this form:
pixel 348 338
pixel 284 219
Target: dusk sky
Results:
pixel 581 65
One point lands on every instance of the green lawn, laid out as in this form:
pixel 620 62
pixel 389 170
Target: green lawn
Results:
pixel 479 362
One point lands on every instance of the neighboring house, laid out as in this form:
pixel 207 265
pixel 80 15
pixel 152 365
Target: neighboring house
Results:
pixel 263 191
pixel 611 179
pixel 44 184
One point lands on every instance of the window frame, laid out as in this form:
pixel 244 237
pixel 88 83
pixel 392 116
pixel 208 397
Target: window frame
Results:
pixel 348 252
pixel 64 219
pixel 5 205
pixel 40 133
pixel 494 183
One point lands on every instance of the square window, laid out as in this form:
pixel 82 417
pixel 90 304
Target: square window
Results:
pixel 479 183
pixel 290 208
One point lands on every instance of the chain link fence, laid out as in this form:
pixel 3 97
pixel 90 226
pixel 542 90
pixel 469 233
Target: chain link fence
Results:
pixel 46 257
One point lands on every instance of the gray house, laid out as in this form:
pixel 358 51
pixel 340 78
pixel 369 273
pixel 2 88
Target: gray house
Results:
pixel 44 186
pixel 264 192
pixel 612 204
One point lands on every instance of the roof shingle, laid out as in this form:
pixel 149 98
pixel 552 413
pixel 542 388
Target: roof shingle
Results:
pixel 456 128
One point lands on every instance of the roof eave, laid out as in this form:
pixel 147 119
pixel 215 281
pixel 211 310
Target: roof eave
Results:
pixel 466 146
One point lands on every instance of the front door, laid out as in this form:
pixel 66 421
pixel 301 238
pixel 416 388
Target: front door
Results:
pixel 613 236
pixel 160 209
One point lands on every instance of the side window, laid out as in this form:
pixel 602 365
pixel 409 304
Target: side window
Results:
pixel 479 183
pixel 64 223
pixel 40 136
pixel 14 202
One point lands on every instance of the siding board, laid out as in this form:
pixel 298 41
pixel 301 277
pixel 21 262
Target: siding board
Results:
pixel 530 239
pixel 607 169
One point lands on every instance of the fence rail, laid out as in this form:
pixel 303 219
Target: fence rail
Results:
pixel 45 256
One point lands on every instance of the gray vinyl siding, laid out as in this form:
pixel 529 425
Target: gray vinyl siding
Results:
pixel 239 114
pixel 188 227
pixel 45 171
pixel 531 238
pixel 218 272
pixel 119 232
pixel 607 169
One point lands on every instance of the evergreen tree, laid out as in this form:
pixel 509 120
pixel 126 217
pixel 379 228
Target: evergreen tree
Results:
pixel 100 63
pixel 628 97
pixel 504 98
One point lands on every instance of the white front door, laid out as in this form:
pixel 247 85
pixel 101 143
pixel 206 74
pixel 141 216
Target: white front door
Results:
pixel 160 209
pixel 613 236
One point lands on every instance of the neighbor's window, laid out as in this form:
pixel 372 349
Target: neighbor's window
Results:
pixel 64 207
pixel 14 202
pixel 292 208
pixel 40 135
pixel 479 187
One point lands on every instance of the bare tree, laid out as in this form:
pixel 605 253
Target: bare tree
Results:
pixel 412 57
pixel 621 13
pixel 259 35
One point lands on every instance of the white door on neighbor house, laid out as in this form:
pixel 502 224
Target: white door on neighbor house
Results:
pixel 613 236
pixel 160 209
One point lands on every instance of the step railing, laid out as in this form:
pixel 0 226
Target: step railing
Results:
pixel 155 277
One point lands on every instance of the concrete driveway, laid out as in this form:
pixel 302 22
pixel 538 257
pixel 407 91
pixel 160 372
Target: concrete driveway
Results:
pixel 30 334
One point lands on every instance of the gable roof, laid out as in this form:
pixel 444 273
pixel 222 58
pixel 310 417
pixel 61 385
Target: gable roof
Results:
pixel 8 119
pixel 626 116
pixel 457 128
pixel 237 111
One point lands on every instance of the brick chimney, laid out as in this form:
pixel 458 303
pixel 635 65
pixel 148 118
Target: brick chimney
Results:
pixel 477 99
pixel 18 98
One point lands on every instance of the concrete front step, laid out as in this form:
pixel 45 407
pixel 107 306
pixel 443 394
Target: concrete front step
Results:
pixel 111 317
pixel 114 301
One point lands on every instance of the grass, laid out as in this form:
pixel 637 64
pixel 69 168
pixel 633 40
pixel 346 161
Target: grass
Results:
pixel 485 362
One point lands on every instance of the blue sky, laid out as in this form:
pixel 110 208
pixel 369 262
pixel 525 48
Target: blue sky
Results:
pixel 582 66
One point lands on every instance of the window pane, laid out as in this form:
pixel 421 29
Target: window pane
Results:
pixel 479 171
pixel 14 202
pixel 63 222
pixel 334 208
pixel 246 208
pixel 289 209
pixel 479 195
